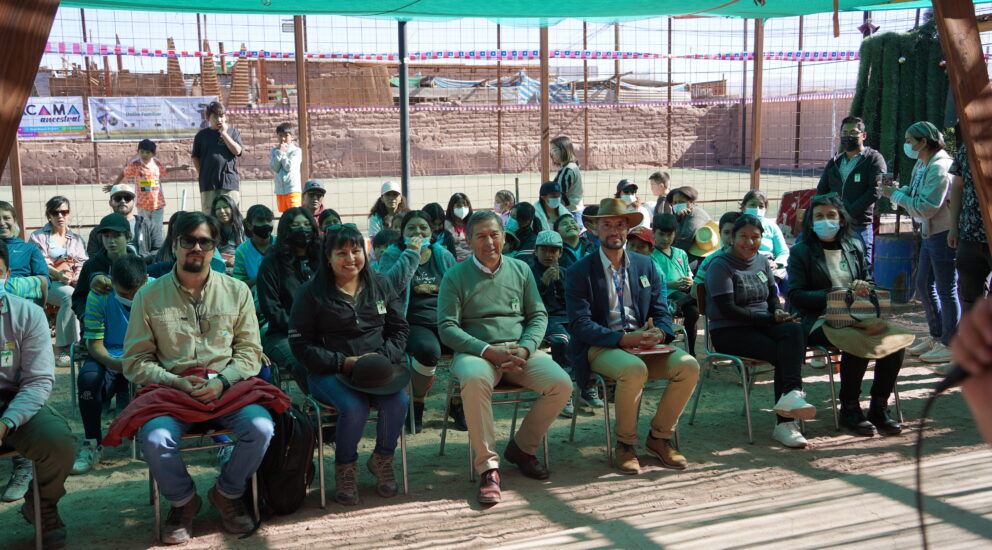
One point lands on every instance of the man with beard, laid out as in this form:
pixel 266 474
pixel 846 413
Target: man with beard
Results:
pixel 194 330
pixel 146 237
pixel 616 306
pixel 855 174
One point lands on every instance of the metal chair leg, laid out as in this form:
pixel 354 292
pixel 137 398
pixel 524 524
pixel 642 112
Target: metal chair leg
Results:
pixel 833 391
pixel 72 376
pixel 254 494
pixel 36 489
pixel 513 423
pixel 606 422
pixel 547 453
pixel 158 510
pixel 406 481
pixel 447 412
pixel 707 365
pixel 320 451
pixel 471 464
pixel 747 400
pixel 411 421
pixel 575 412
pixel 895 393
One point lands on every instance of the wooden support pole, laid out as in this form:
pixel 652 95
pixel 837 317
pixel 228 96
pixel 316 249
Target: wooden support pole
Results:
pixel 799 101
pixel 499 102
pixel 108 87
pixel 545 109
pixel 616 64
pixel 586 146
pixel 969 80
pixel 759 54
pixel 263 83
pixel 302 116
pixel 17 186
pixel 668 109
pixel 89 94
pixel 744 100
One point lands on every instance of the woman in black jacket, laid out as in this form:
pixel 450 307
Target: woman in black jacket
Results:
pixel 834 257
pixel 347 312
pixel 289 264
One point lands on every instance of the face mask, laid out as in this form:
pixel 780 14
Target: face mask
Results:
pixel 512 225
pixel 262 231
pixel 300 237
pixel 680 207
pixel 628 198
pixel 460 212
pixel 908 149
pixel 849 143
pixel 759 212
pixel 124 301
pixel 553 203
pixel 498 208
pixel 826 229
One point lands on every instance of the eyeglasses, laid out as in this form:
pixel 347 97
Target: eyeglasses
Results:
pixel 59 213
pixel 201 319
pixel 188 243
pixel 122 198
pixel 852 133
pixel 338 226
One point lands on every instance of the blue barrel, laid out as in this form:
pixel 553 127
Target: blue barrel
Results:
pixel 894 257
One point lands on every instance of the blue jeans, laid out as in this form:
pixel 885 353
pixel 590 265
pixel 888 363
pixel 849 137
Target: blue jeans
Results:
pixel 160 437
pixel 353 412
pixel 97 384
pixel 937 287
pixel 867 235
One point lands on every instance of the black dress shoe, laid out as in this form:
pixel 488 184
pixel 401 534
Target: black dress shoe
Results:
pixel 879 417
pixel 528 464
pixel 853 419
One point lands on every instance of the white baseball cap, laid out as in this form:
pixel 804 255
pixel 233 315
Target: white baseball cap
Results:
pixel 391 186
pixel 121 188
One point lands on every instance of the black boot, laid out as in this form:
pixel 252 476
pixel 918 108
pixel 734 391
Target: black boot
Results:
pixel 853 419
pixel 457 414
pixel 878 414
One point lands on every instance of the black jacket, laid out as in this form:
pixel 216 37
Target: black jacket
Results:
pixel 552 295
pixel 324 330
pixel 809 279
pixel 146 241
pixel 278 281
pixel 861 189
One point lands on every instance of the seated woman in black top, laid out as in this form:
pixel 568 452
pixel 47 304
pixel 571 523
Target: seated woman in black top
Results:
pixel 286 266
pixel 833 256
pixel 344 317
pixel 747 319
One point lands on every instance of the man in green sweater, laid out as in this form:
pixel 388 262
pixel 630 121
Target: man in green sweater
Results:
pixel 491 315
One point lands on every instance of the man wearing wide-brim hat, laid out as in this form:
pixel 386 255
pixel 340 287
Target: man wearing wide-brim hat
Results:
pixel 616 303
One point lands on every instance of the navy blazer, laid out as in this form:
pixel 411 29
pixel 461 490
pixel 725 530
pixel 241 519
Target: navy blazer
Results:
pixel 588 306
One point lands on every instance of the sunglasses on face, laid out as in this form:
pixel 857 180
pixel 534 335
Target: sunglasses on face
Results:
pixel 122 198
pixel 59 213
pixel 337 226
pixel 205 243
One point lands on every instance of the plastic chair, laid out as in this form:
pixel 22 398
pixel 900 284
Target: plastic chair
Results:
pixel 322 411
pixel 828 353
pixel 199 446
pixel 36 490
pixel 515 395
pixel 749 369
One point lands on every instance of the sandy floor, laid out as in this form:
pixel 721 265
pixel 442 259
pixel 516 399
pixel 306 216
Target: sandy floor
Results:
pixel 845 490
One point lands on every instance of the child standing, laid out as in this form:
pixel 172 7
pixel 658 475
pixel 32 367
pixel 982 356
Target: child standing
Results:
pixel 146 173
pixel 674 266
pixel 285 160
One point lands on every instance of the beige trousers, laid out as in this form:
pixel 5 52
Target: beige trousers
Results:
pixel 478 377
pixel 631 372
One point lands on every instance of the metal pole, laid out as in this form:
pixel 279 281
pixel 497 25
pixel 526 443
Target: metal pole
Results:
pixel 404 113
pixel 586 147
pixel 17 186
pixel 744 101
pixel 799 91
pixel 668 114
pixel 89 93
pixel 759 54
pixel 545 109
pixel 302 116
pixel 499 102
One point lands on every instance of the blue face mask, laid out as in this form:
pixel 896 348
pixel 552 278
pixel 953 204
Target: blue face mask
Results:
pixel 3 287
pixel 826 229
pixel 511 224
pixel 759 212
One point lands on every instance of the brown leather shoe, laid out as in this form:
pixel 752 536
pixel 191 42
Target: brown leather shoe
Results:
pixel 626 457
pixel 528 464
pixel 666 453
pixel 489 490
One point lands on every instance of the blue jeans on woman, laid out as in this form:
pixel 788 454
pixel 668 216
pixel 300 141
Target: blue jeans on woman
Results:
pixel 353 412
pixel 937 287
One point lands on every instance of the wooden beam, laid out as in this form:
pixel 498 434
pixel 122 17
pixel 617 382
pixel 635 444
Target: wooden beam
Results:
pixel 17 187
pixel 303 118
pixel 545 109
pixel 969 80
pixel 26 25
pixel 759 54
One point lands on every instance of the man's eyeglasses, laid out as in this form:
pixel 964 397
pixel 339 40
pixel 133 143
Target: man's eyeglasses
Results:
pixel 60 213
pixel 123 198
pixel 201 319
pixel 188 243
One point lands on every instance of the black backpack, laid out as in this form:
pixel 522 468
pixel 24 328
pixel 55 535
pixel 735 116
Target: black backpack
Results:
pixel 287 468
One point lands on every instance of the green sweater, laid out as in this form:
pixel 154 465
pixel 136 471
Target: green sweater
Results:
pixel 476 308
pixel 671 267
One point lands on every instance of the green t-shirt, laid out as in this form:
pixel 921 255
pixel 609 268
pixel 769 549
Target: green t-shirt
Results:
pixel 671 266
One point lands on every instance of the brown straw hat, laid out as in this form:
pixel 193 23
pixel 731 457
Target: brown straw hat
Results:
pixel 616 208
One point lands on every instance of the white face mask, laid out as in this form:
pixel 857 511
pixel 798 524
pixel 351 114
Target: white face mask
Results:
pixel 629 199
pixel 759 212
pixel 124 301
pixel 460 212
pixel 908 149
pixel 678 208
pixel 554 203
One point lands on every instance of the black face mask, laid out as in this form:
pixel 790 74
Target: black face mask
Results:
pixel 300 237
pixel 262 231
pixel 850 143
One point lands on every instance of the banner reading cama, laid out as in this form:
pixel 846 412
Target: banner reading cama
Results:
pixel 157 118
pixel 52 118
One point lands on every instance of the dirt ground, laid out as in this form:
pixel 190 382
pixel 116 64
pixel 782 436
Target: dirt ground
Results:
pixel 108 509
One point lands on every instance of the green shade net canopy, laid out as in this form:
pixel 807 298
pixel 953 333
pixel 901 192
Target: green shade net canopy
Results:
pixel 526 12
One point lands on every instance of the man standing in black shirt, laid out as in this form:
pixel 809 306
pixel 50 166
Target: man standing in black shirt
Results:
pixel 215 155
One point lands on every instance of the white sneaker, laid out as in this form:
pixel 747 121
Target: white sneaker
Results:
pixel 89 455
pixel 788 434
pixel 794 405
pixel 921 346
pixel 20 480
pixel 938 354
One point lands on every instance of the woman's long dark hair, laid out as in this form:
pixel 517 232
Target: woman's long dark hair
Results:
pixel 340 238
pixel 379 208
pixel 846 230
pixel 237 222
pixel 165 253
pixel 410 216
pixel 449 214
pixel 282 246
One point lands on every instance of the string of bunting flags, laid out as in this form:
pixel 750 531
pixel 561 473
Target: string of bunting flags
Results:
pixel 87 48
pixel 554 106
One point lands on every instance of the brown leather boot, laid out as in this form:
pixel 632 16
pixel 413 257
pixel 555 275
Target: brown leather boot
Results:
pixel 666 453
pixel 626 457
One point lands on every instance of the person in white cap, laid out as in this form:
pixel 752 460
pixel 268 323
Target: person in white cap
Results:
pixel 390 204
pixel 146 237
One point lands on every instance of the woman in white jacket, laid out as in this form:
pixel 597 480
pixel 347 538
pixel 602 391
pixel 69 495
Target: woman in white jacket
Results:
pixel 285 160
pixel 549 207
pixel 926 200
